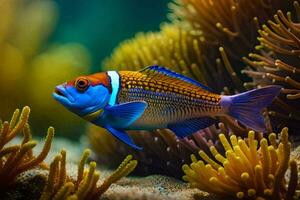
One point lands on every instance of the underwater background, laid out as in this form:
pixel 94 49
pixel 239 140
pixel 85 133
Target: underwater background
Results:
pixel 229 45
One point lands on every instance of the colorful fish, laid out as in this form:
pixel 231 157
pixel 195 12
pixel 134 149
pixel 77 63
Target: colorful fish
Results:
pixel 155 98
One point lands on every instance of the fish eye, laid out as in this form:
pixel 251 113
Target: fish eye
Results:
pixel 82 84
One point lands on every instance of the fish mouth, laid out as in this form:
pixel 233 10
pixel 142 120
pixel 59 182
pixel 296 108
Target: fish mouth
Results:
pixel 60 94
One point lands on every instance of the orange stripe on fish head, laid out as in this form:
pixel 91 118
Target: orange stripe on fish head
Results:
pixel 94 79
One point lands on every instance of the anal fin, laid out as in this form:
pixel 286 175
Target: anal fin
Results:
pixel 190 126
pixel 122 136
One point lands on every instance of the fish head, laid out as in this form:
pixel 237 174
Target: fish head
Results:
pixel 85 94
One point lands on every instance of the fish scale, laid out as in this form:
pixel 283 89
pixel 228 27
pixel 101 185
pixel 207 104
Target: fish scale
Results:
pixel 169 100
pixel 165 84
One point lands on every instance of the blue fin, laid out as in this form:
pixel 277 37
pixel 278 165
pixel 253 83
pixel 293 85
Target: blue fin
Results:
pixel 173 74
pixel 123 115
pixel 122 136
pixel 190 126
pixel 246 107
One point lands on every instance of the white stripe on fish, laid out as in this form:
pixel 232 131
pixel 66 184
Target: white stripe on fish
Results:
pixel 115 86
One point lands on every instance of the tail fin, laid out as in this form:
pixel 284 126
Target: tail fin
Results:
pixel 246 107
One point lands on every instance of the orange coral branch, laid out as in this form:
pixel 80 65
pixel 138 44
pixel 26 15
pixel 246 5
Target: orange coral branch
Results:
pixel 16 159
pixel 59 186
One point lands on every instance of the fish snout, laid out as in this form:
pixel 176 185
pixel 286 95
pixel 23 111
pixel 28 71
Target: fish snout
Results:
pixel 61 94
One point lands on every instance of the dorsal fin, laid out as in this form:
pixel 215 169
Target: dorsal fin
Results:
pixel 170 73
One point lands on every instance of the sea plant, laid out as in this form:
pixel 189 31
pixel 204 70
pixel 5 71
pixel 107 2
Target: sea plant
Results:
pixel 250 168
pixel 231 24
pixel 15 159
pixel 276 62
pixel 18 158
pixel 60 186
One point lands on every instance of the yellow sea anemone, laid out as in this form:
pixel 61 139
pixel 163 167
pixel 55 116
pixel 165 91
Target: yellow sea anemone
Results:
pixel 250 169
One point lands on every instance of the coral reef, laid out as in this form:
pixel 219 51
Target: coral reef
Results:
pixel 16 159
pixel 277 63
pixel 18 165
pixel 30 184
pixel 134 188
pixel 230 24
pixel 60 186
pixel 207 41
pixel 163 152
pixel 250 169
pixel 30 65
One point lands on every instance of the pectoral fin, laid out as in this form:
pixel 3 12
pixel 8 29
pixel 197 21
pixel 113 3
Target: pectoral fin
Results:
pixel 122 135
pixel 190 126
pixel 123 115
